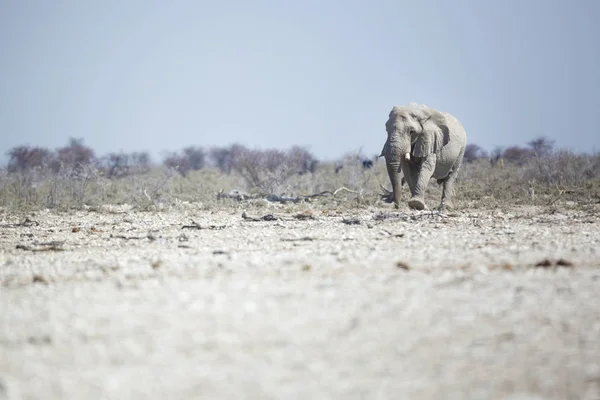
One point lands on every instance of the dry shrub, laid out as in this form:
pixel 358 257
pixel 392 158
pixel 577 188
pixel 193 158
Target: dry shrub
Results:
pixel 118 165
pixel 559 175
pixel 474 152
pixel 190 159
pixel 563 169
pixel 23 158
pixel 364 180
pixel 74 188
pixel 353 172
pixel 268 170
pixel 43 187
pixel 75 155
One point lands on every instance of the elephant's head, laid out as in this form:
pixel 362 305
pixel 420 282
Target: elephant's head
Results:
pixel 414 132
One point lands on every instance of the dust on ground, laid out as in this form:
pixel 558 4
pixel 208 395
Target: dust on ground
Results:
pixel 276 303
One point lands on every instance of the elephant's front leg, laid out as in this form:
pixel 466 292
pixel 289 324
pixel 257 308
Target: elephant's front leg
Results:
pixel 421 180
pixel 410 173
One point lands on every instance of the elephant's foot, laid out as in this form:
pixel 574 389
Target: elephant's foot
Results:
pixel 417 203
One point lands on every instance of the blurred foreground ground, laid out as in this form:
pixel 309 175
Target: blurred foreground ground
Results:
pixel 120 304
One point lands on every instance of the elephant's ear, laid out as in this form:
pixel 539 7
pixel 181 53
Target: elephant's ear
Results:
pixel 385 149
pixel 434 135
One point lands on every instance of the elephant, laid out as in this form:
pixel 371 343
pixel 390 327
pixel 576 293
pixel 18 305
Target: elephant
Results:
pixel 423 143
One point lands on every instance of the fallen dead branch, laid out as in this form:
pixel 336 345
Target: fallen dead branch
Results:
pixel 304 216
pixel 285 199
pixel 381 216
pixel 351 221
pixel 267 217
pixel 297 199
pixel 388 195
pixel 274 198
pixel 195 225
pixel 47 246
pixel 345 189
pixel 271 217
pixel 300 239
pixel 23 224
pixel 236 195
pixel 311 239
pixel 391 234
pixel 128 237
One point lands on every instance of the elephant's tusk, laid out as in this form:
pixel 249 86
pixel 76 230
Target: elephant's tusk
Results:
pixel 407 156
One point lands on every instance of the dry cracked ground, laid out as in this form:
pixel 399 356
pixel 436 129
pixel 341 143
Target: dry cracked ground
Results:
pixel 298 303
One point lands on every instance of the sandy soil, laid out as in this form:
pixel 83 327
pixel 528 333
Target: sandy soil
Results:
pixel 120 304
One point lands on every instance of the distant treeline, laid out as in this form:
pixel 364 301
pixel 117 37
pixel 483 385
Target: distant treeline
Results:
pixel 237 157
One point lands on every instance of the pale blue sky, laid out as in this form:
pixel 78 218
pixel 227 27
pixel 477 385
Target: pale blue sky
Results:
pixel 160 75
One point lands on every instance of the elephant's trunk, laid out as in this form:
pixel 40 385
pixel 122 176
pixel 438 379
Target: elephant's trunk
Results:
pixel 396 149
pixel 393 169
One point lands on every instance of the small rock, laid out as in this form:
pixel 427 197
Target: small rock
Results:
pixel 545 263
pixel 402 265
pixel 37 278
pixel 564 263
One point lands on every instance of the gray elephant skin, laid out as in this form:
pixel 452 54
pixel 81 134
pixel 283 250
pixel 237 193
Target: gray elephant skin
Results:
pixel 423 143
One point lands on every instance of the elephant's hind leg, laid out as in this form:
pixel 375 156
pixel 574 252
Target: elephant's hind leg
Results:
pixel 448 185
pixel 447 191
